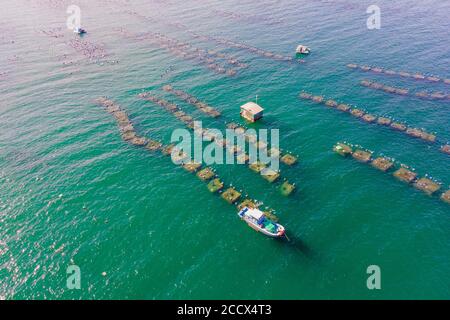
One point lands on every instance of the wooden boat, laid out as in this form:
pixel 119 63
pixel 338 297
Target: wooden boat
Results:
pixel 258 221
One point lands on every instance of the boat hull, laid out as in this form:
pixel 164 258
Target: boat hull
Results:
pixel 254 225
pixel 263 231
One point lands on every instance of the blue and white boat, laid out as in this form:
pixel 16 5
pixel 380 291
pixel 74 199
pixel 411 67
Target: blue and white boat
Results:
pixel 257 220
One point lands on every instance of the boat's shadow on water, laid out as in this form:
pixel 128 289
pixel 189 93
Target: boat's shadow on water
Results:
pixel 298 245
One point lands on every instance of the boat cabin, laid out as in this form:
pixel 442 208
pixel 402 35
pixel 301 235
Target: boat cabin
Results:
pixel 255 213
pixel 251 111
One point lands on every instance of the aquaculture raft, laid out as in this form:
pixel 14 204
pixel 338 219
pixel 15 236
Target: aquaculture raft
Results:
pixel 446 148
pixel 242 158
pixel 206 174
pixel 192 166
pixel 231 195
pixel 215 185
pixel 270 175
pixel 257 166
pixel 247 203
pixel 286 188
pixel 362 155
pixel 342 149
pixel 288 159
pixel 405 175
pixel 153 145
pixel 383 164
pixel 446 196
pixel 384 121
pixel 427 185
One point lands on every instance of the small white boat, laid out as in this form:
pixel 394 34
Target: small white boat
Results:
pixel 301 49
pixel 258 221
pixel 79 31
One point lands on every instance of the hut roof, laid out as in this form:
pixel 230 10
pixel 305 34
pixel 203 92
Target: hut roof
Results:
pixel 252 107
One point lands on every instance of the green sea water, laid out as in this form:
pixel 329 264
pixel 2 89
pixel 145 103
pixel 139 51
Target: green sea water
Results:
pixel 72 192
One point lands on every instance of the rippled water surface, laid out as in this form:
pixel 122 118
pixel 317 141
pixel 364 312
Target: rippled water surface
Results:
pixel 72 192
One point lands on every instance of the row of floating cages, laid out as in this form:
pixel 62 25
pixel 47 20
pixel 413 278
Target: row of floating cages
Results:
pixel 170 107
pixel 206 174
pixel 183 117
pixel 127 131
pixel 268 174
pixel 239 45
pixel 187 52
pixel 230 44
pixel 421 134
pixel 385 164
pixel 415 76
pixel 404 92
pixel 208 53
pixel 230 194
pixel 214 183
pixel 240 155
pixel 200 105
pixel 259 51
pixel 285 157
pixel 242 158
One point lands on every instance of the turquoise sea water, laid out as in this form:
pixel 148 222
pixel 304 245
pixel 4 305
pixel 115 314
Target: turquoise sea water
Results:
pixel 72 192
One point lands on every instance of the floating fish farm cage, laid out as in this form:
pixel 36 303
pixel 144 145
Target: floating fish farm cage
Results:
pixel 287 188
pixel 231 195
pixel 206 174
pixel 382 163
pixel 215 185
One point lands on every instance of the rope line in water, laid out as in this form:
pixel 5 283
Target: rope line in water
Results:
pixel 415 76
pixel 383 121
pixel 405 92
